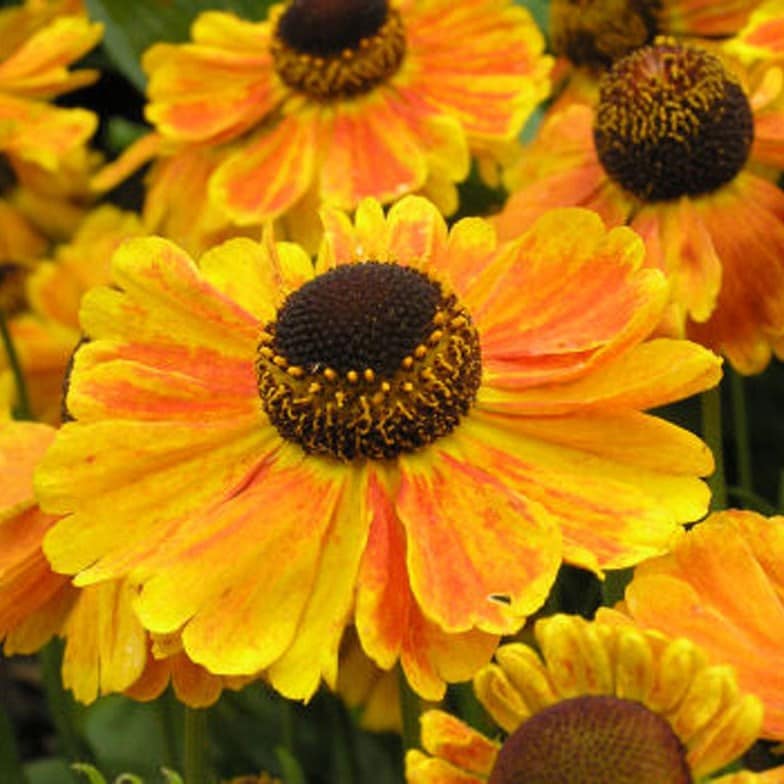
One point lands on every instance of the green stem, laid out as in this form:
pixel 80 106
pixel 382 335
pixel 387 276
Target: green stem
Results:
pixel 22 408
pixel 10 767
pixel 740 421
pixel 712 433
pixel 166 706
pixel 410 707
pixel 195 763
pixel 61 705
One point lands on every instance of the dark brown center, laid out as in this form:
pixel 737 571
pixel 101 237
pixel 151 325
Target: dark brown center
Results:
pixel 593 740
pixel 368 360
pixel 671 122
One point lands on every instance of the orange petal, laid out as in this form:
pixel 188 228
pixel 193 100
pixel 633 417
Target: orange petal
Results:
pixel 22 444
pixel 421 769
pixel 450 739
pixel 266 176
pixel 478 556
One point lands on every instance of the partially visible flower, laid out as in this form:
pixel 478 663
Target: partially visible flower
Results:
pixel 42 146
pixel 603 701
pixel 106 648
pixel 47 331
pixel 463 415
pixel 723 586
pixel 687 178
pixel 336 101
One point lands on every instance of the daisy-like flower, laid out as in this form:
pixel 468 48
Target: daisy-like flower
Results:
pixel 336 101
pixel 723 585
pixel 603 701
pixel 46 331
pixel 685 177
pixel 40 142
pixel 106 649
pixel 411 437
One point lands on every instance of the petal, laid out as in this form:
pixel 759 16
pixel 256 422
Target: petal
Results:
pixel 477 555
pixel 612 512
pixel 417 232
pixel 22 444
pixel 369 151
pixel 448 738
pixel 267 175
pixel 421 769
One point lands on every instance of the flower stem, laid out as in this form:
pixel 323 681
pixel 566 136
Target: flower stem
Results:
pixel 195 763
pixel 410 707
pixel 10 767
pixel 740 423
pixel 710 401
pixel 22 408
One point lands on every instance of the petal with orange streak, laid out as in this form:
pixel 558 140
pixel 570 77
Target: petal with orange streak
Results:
pixel 690 259
pixel 347 242
pixel 613 512
pixel 383 601
pixel 368 151
pixel 193 685
pixel 694 592
pixel 106 647
pixel 143 476
pixel 160 297
pixel 417 232
pixel 477 554
pixel 650 374
pixel 421 769
pixel 695 17
pixel 246 613
pixel 314 653
pixel 22 444
pixel 445 736
pixel 745 223
pixel 266 176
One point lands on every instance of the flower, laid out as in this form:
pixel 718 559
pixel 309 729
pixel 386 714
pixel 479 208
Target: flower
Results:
pixel 604 701
pixel 106 649
pixel 723 584
pixel 42 146
pixel 46 330
pixel 336 101
pixel 687 180
pixel 401 438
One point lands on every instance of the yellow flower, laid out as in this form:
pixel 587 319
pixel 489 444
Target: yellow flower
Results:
pixel 411 437
pixel 686 177
pixel 723 585
pixel 604 701
pixel 337 101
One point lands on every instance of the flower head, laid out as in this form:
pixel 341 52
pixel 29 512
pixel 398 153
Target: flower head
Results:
pixel 723 585
pixel 604 701
pixel 411 436
pixel 685 176
pixel 337 101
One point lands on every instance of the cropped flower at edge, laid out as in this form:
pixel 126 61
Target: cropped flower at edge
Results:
pixel 695 591
pixel 604 701
pixel 464 417
pixel 334 102
pixel 696 184
pixel 106 648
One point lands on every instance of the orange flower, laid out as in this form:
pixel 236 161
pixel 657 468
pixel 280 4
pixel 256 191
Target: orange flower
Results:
pixel 106 650
pixel 403 438
pixel 603 701
pixel 336 101
pixel 723 585
pixel 41 145
pixel 686 180
pixel 47 331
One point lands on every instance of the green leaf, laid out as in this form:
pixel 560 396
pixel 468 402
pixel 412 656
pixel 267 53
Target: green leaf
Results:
pixel 130 28
pixel 292 772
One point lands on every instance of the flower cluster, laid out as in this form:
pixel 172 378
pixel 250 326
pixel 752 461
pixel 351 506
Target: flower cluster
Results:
pixel 353 390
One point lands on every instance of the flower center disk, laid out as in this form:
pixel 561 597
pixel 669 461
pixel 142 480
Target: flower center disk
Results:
pixel 336 49
pixel 595 33
pixel 593 740
pixel 368 360
pixel 672 122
